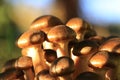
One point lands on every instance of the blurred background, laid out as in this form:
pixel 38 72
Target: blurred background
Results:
pixel 17 15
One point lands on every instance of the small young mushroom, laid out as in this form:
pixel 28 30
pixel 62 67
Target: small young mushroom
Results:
pixel 45 75
pixel 12 74
pixel 22 63
pixel 102 62
pixel 61 35
pixel 62 68
pixel 88 76
pixel 80 54
pixel 31 44
pixel 80 26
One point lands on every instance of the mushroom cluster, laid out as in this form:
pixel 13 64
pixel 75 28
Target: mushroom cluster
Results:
pixel 53 50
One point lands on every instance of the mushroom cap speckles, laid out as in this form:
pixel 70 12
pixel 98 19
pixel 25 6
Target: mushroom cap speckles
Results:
pixel 31 37
pixel 61 33
pixel 45 23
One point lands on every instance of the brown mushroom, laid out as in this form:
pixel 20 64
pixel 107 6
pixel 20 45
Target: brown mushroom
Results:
pixel 31 44
pixel 45 75
pixel 80 54
pixel 85 47
pixel 102 62
pixel 80 26
pixel 45 23
pixel 12 74
pixel 61 35
pixel 62 68
pixel 111 45
pixel 21 63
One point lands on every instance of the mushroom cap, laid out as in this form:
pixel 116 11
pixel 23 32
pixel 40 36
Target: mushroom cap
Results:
pixel 78 25
pixel 21 63
pixel 24 62
pixel 31 37
pixel 111 45
pixel 45 23
pixel 85 47
pixel 61 33
pixel 99 59
pixel 62 66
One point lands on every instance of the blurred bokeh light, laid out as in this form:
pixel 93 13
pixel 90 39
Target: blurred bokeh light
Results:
pixel 101 11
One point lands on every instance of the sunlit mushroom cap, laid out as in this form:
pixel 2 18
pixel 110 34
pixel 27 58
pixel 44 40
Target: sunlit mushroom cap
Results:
pixel 61 33
pixel 111 45
pixel 78 24
pixel 99 59
pixel 45 23
pixel 31 37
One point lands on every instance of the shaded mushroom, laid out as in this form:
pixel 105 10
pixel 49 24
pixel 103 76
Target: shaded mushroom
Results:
pixel 97 39
pixel 85 47
pixel 22 63
pixel 88 76
pixel 50 56
pixel 12 74
pixel 62 68
pixel 45 75
pixel 61 35
pixel 31 44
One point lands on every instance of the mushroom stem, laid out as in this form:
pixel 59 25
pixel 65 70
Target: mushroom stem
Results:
pixel 36 53
pixel 29 74
pixel 62 50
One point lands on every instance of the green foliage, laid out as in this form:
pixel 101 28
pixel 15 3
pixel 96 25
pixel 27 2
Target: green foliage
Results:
pixel 8 34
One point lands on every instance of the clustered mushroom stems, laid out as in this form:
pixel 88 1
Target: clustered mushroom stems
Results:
pixel 54 50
